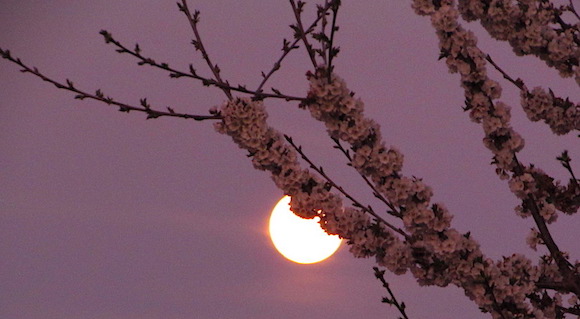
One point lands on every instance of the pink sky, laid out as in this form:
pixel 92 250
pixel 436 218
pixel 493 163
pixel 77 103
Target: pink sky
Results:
pixel 107 215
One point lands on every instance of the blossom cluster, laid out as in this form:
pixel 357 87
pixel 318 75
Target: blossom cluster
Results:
pixel 334 104
pixel 244 120
pixel 440 254
pixel 561 115
pixel 550 196
pixel 434 252
pixel 459 47
pixel 529 27
pixel 536 190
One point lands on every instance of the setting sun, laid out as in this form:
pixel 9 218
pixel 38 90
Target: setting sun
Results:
pixel 299 240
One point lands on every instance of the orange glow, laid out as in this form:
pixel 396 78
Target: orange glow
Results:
pixel 300 240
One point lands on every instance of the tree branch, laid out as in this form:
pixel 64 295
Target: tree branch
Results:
pixel 380 275
pixel 573 311
pixel 193 20
pixel 376 192
pixel 571 278
pixel 100 96
pixel 174 73
pixel 368 209
pixel 299 32
pixel 332 52
pixel 291 46
pixel 517 82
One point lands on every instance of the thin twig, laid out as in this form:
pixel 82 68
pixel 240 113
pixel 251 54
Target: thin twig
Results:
pixel 565 161
pixel 193 20
pixel 322 38
pixel 376 193
pixel 288 47
pixel 299 32
pixel 265 77
pixel 368 209
pixel 100 96
pixel 573 10
pixel 517 82
pixel 331 50
pixel 392 300
pixel 573 311
pixel 174 73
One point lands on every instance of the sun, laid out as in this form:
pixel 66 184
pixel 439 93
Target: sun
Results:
pixel 300 240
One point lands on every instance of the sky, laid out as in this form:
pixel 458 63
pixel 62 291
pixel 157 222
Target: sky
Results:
pixel 107 215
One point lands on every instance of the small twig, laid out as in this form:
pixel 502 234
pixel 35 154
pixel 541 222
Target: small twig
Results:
pixel 331 50
pixel 265 77
pixel 100 96
pixel 573 311
pixel 392 300
pixel 291 46
pixel 573 10
pixel 174 73
pixel 565 161
pixel 368 209
pixel 322 38
pixel 299 32
pixel 376 193
pixel 518 82
pixel 193 20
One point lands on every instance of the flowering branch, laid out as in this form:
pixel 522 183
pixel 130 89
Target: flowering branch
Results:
pixel 534 34
pixel 376 192
pixel 571 278
pixel 489 287
pixel 432 250
pixel 463 56
pixel 100 96
pixel 367 209
pixel 245 121
pixel 380 275
pixel 560 114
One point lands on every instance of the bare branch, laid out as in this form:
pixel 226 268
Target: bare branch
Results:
pixel 290 46
pixel 517 82
pixel 193 20
pixel 299 32
pixel 380 275
pixel 174 73
pixel 332 51
pixel 573 10
pixel 100 96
